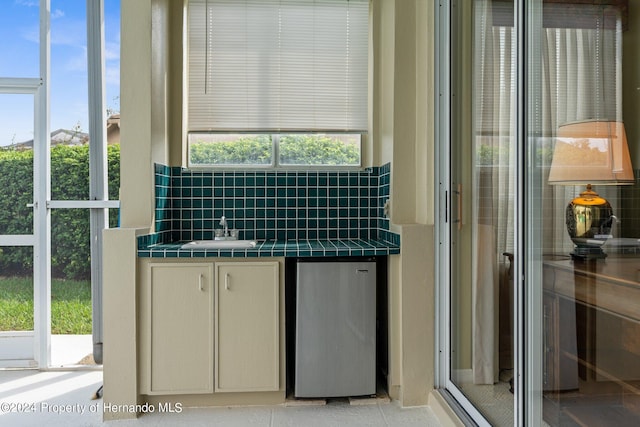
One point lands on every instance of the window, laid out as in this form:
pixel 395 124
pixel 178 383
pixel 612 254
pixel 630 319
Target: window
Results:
pixel 277 83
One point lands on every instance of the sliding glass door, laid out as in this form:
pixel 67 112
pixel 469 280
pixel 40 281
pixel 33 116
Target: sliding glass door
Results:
pixel 582 219
pixel 541 266
pixel 480 197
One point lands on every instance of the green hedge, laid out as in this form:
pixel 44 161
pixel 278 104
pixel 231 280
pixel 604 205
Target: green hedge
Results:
pixel 317 150
pixel 247 150
pixel 294 149
pixel 70 252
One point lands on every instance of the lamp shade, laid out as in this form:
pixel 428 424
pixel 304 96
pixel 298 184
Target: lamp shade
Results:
pixel 593 152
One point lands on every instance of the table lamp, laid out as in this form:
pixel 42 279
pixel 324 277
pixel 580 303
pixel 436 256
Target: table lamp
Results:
pixel 593 152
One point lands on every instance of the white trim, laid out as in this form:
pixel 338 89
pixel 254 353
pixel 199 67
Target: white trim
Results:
pixel 42 191
pixel 18 363
pixel 16 347
pixel 442 135
pixel 83 204
pixel 98 180
pixel 17 240
pixel 19 85
pixel 14 334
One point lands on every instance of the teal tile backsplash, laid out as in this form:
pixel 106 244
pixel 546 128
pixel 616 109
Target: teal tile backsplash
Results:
pixel 283 205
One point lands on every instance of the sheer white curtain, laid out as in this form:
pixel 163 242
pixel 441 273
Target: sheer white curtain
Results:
pixel 493 181
pixel 581 69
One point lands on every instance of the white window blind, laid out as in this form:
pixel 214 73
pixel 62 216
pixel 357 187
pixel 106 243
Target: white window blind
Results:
pixel 269 65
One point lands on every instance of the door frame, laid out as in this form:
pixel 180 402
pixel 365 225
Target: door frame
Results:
pixel 444 55
pixel 39 87
pixel 445 39
pixel 39 338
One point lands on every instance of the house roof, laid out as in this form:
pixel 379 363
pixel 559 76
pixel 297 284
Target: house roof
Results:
pixel 74 137
pixel 59 137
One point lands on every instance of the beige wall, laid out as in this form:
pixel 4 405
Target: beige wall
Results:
pixel 120 369
pixel 403 106
pixel 401 133
pixel 136 191
pixel 150 99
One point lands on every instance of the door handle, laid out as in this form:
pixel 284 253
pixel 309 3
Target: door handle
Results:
pixel 459 197
pixel 226 281
pixel 200 283
pixel 32 205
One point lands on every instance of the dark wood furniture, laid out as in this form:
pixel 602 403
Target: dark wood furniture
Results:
pixel 591 327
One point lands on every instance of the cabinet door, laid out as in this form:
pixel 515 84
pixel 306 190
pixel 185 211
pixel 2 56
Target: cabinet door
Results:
pixel 247 325
pixel 180 329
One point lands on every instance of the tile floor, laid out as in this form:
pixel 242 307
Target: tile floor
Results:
pixel 63 398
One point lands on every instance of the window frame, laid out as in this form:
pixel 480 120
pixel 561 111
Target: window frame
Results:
pixel 275 163
pixel 364 148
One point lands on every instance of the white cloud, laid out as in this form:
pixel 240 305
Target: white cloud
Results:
pixel 57 14
pixel 28 3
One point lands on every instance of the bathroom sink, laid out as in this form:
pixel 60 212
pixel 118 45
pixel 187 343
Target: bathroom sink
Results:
pixel 220 244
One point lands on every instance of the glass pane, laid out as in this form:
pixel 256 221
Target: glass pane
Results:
pixel 112 67
pixel 71 275
pixel 69 102
pixel 16 121
pixel 16 288
pixel 16 164
pixel 319 149
pixel 230 149
pixel 112 71
pixel 482 205
pixel 20 35
pixel 583 245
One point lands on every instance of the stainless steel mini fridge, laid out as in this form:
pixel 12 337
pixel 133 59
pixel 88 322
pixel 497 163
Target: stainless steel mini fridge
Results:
pixel 335 329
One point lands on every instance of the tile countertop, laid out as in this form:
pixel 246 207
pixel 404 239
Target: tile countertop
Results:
pixel 278 248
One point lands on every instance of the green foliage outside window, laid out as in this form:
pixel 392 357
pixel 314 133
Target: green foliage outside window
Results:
pixel 70 252
pixel 257 150
pixel 246 150
pixel 317 150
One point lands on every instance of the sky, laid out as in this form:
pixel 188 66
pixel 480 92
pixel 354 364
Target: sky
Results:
pixel 19 57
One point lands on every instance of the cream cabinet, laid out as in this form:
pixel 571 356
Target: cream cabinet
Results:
pixel 177 328
pixel 247 316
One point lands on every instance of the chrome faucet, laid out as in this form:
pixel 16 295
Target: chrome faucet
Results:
pixel 223 222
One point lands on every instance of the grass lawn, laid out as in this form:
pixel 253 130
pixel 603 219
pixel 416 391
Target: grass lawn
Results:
pixel 70 305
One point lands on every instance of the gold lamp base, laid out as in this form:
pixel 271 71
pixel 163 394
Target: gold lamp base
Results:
pixel 589 220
